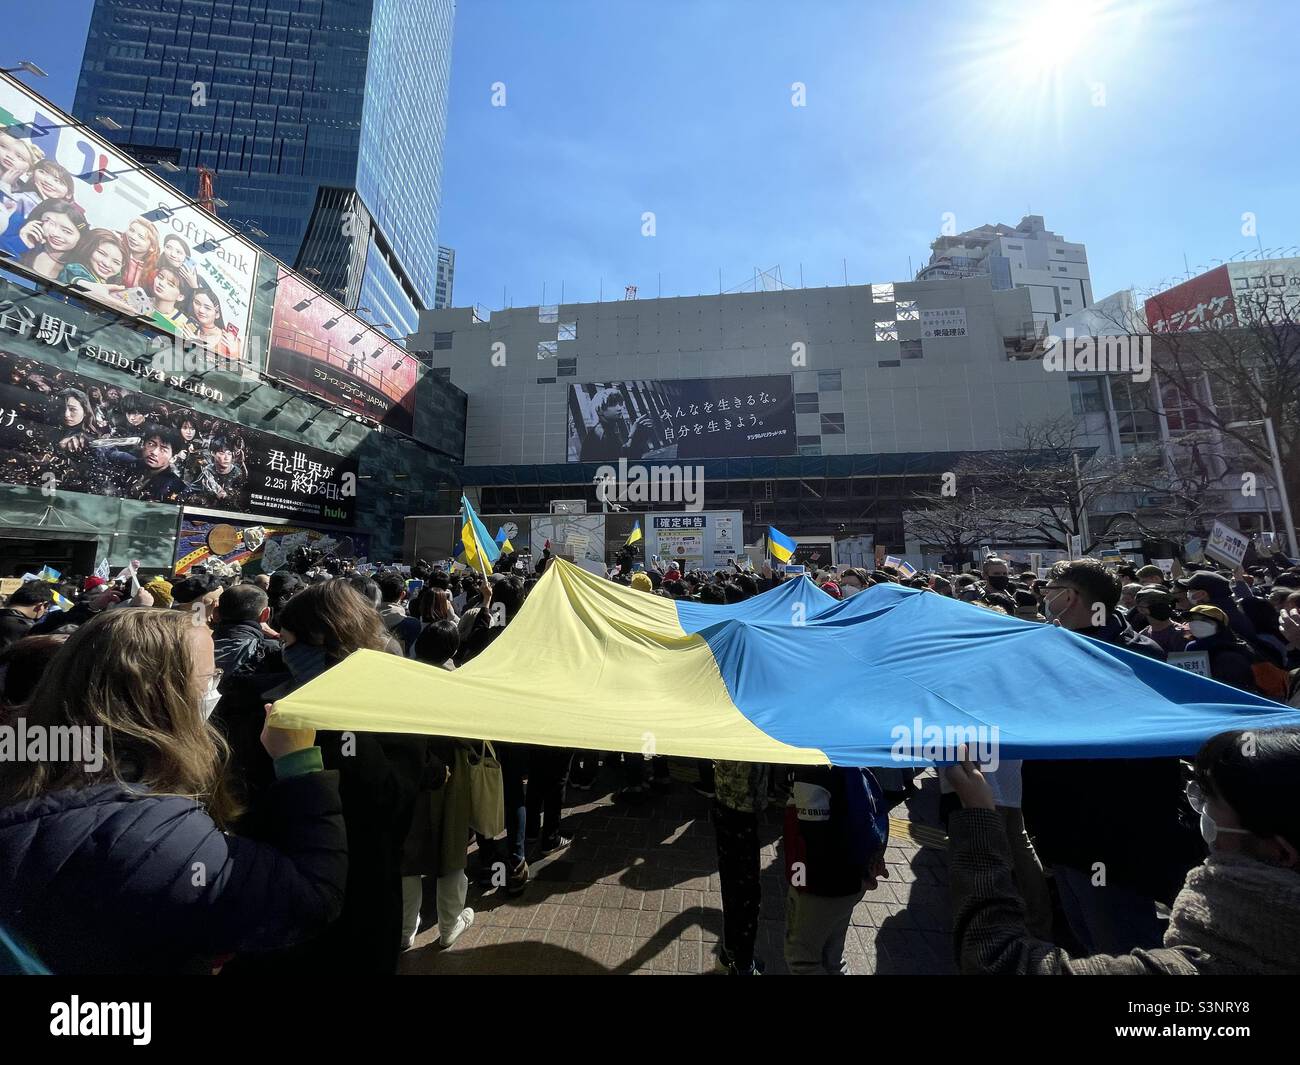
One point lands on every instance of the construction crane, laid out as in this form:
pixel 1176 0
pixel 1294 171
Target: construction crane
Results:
pixel 206 194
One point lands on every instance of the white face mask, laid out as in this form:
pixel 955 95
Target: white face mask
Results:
pixel 209 701
pixel 1202 629
pixel 851 589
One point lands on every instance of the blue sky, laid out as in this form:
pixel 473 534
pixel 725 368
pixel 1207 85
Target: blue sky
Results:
pixel 1143 129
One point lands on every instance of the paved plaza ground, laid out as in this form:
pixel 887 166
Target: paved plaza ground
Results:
pixel 638 892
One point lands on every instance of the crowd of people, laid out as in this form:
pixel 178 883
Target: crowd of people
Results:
pixel 203 840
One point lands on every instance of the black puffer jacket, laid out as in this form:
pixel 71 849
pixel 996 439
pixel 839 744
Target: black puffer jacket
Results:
pixel 104 879
pixel 1126 813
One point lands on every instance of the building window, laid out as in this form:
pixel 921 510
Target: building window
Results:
pixel 566 367
pixel 546 349
pixel 911 349
pixel 882 293
pixel 806 403
pixel 829 381
pixel 806 440
pixel 810 449
pixel 1276 280
pixel 886 364
pixel 1086 396
pixel 832 423
pixel 1015 247
pixel 886 331
pixel 1059 251
pixel 1068 303
pixel 1060 269
pixel 907 311
pixel 548 315
pixel 568 331
pixel 441 341
pixel 546 380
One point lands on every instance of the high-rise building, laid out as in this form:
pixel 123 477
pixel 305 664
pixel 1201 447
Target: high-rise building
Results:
pixel 446 278
pixel 1027 255
pixel 323 121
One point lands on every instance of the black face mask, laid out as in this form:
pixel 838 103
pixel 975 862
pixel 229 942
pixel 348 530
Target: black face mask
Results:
pixel 1000 581
pixel 1159 611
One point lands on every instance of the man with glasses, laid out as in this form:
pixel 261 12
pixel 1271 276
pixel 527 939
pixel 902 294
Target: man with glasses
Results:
pixel 1110 829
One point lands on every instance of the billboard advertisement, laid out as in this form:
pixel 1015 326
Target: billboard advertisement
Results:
pixel 259 548
pixel 724 417
pixel 62 432
pixel 319 347
pixel 1204 302
pixel 708 540
pixel 78 213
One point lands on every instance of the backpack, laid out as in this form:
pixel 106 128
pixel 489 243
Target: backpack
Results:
pixel 1272 681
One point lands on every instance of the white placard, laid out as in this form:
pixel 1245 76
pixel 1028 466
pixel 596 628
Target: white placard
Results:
pixel 1226 545
pixel 1193 661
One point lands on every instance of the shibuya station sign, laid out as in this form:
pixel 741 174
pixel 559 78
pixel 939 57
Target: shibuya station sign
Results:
pixel 52 325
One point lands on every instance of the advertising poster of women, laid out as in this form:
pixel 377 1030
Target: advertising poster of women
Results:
pixel 77 213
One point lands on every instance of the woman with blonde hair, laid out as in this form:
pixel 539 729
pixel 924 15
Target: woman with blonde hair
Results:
pixel 113 852
pixel 380 777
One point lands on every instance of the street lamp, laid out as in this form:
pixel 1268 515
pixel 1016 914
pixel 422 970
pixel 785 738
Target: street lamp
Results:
pixel 29 67
pixel 1267 423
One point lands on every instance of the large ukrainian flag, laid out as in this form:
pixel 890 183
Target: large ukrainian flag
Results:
pixel 791 676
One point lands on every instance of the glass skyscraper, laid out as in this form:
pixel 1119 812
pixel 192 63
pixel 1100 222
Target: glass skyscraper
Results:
pixel 323 121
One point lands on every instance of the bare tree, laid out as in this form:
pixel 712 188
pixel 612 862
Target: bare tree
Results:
pixel 1035 494
pixel 1221 374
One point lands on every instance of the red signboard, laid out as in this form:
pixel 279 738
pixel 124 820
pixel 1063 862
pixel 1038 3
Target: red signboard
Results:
pixel 1204 302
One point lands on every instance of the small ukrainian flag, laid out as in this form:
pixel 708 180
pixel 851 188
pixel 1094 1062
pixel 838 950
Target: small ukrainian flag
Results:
pixel 634 535
pixel 481 550
pixel 504 541
pixel 779 546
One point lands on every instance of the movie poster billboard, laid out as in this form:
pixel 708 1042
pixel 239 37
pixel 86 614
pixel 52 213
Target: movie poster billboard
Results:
pixel 260 548
pixel 62 432
pixel 78 213
pixel 320 348
pixel 724 417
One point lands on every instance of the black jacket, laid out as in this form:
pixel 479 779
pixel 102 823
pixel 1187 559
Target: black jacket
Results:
pixel 379 778
pixel 240 646
pixel 1126 813
pixel 1230 660
pixel 107 880
pixel 14 625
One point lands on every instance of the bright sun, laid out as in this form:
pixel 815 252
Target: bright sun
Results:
pixel 1052 33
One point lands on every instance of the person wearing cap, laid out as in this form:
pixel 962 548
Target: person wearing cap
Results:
pixel 161 591
pixel 1230 656
pixel 1027 606
pixel 642 582
pixel 1158 606
pixel 1212 589
pixel 831 588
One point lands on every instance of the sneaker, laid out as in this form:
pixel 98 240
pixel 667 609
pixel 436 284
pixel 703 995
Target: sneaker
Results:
pixel 465 919
pixel 518 880
pixel 554 843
